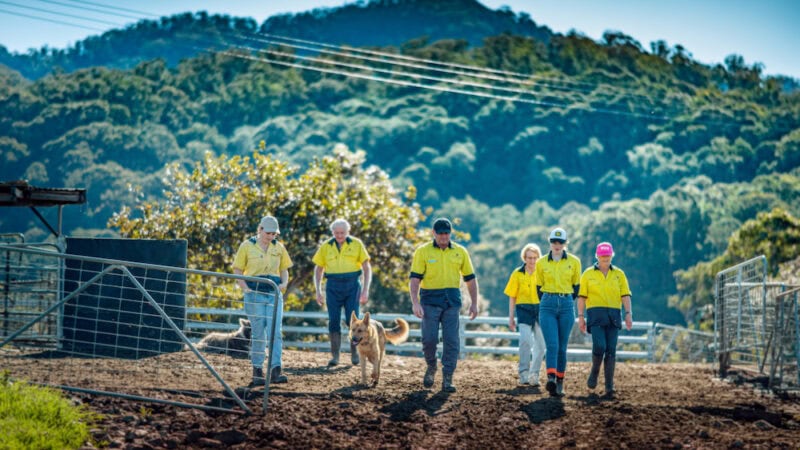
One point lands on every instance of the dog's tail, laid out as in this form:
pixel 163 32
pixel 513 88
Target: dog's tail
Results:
pixel 398 334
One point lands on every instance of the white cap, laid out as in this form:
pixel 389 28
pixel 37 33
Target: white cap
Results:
pixel 558 233
pixel 270 224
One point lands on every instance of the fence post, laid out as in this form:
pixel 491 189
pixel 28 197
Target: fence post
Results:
pixel 462 341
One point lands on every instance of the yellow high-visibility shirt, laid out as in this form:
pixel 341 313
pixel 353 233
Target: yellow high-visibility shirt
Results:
pixel 254 261
pixel 558 277
pixel 522 287
pixel 604 291
pixel 441 268
pixel 341 261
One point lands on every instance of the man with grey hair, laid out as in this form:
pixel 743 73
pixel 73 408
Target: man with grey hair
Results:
pixel 343 261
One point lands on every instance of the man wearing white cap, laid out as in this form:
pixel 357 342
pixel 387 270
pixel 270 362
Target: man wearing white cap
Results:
pixel 264 256
pixel 557 281
pixel 604 290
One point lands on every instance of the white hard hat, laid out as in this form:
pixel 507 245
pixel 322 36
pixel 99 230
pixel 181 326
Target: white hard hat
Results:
pixel 558 233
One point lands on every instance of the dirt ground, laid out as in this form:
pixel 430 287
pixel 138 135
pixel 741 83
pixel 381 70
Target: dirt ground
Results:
pixel 657 406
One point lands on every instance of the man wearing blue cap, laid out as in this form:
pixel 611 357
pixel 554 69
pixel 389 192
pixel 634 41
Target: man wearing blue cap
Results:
pixel 436 272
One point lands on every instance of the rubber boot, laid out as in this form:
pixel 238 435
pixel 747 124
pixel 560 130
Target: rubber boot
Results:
pixel 608 371
pixel 551 384
pixel 276 378
pixel 258 377
pixel 447 383
pixel 354 354
pixel 594 372
pixel 559 387
pixel 336 343
pixel 430 376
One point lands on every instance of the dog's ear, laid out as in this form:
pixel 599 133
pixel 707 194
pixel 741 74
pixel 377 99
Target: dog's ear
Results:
pixel 366 317
pixel 244 322
pixel 353 317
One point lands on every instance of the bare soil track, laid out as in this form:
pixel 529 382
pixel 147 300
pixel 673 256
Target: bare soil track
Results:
pixel 657 406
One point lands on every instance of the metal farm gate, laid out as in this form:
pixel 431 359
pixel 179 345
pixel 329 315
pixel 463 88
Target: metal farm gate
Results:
pixel 756 325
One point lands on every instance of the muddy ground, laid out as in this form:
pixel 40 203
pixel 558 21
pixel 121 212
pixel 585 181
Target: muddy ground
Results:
pixel 657 406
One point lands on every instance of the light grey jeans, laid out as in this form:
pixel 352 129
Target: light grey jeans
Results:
pixel 531 341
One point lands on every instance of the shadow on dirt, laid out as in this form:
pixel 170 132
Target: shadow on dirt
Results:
pixel 544 409
pixel 412 402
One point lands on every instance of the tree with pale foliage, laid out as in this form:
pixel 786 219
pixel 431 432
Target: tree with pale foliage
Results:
pixel 220 202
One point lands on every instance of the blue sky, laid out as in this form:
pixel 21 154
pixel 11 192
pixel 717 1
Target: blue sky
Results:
pixel 763 31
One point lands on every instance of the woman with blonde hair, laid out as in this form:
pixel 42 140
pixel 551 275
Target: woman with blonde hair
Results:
pixel 522 299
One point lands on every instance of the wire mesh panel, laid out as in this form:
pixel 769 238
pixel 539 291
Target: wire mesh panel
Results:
pixel 785 360
pixel 123 332
pixel 29 283
pixel 740 315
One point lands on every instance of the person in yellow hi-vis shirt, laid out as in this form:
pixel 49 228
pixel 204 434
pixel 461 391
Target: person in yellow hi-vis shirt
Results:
pixel 522 297
pixel 434 283
pixel 343 261
pixel 558 278
pixel 264 256
pixel 604 291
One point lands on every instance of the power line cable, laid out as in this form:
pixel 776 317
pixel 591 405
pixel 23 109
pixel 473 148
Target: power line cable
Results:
pixel 88 19
pixel 43 19
pixel 92 9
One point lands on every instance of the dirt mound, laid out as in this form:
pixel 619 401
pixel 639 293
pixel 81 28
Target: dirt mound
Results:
pixel 657 406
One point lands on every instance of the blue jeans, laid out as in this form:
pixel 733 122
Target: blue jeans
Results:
pixel 604 340
pixel 556 316
pixel 341 293
pixel 259 308
pixel 447 316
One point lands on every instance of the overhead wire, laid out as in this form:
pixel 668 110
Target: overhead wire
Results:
pixel 33 8
pixel 426 64
pixel 432 66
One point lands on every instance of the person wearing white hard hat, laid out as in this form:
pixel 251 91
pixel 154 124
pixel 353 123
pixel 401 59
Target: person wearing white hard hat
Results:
pixel 264 256
pixel 604 291
pixel 557 283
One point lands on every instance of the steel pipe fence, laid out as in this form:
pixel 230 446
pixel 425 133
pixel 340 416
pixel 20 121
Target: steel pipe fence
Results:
pixel 756 327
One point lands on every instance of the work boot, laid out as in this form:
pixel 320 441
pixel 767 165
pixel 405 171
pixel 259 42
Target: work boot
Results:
pixel 608 371
pixel 524 379
pixel 430 376
pixel 276 378
pixel 354 354
pixel 551 384
pixel 447 383
pixel 560 387
pixel 594 372
pixel 534 379
pixel 336 342
pixel 258 377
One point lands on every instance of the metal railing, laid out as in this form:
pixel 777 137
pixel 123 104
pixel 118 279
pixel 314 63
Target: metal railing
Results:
pixel 484 335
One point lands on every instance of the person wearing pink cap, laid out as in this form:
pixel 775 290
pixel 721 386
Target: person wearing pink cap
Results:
pixel 603 292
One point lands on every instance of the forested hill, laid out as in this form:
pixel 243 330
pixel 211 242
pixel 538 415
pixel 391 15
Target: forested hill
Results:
pixel 665 157
pixel 363 23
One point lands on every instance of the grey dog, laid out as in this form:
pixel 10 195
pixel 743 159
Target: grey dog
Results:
pixel 235 344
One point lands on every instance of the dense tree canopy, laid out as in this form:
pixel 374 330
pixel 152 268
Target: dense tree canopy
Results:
pixel 218 204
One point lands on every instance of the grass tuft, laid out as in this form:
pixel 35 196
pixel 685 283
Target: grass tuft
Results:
pixel 40 417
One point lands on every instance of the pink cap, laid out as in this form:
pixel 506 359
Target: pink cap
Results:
pixel 604 249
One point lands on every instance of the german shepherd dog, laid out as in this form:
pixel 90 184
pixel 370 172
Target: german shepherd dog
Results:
pixel 235 344
pixel 370 338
